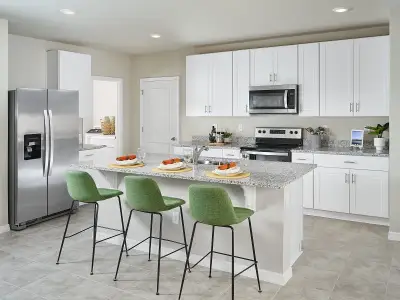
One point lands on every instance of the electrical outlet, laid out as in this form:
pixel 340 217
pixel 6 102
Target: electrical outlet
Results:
pixel 240 127
pixel 175 217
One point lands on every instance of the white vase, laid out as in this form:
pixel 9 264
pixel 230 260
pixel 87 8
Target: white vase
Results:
pixel 227 140
pixel 379 144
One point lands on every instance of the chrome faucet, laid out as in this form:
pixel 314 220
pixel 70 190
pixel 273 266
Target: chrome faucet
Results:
pixel 197 150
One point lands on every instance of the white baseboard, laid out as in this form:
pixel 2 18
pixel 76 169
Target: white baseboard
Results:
pixel 225 266
pixel 394 236
pixel 4 228
pixel 346 217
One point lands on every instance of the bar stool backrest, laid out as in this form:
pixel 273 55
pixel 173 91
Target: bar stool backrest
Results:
pixel 81 186
pixel 211 205
pixel 143 194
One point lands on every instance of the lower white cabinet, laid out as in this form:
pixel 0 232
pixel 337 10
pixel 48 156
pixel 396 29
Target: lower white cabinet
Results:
pixel 369 193
pixel 331 189
pixel 308 179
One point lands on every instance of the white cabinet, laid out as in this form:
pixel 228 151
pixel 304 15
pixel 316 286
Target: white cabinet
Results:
pixel 371 76
pixel 309 80
pixel 231 153
pixel 275 65
pixel 72 71
pixel 369 193
pixel 308 179
pixel 209 84
pixel 331 189
pixel 241 82
pixel 336 78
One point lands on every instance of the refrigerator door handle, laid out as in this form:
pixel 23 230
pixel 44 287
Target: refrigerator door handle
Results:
pixel 46 144
pixel 51 142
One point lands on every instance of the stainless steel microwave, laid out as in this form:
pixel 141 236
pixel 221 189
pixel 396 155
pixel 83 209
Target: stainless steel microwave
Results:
pixel 274 99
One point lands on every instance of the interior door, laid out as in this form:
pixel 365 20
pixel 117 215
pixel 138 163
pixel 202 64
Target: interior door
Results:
pixel 332 189
pixel 371 76
pixel 63 109
pixel 369 193
pixel 286 70
pixel 28 187
pixel 336 78
pixel 159 111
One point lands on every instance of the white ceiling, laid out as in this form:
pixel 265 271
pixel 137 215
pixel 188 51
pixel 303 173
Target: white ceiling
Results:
pixel 126 25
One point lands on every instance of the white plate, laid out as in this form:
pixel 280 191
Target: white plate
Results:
pixel 175 166
pixel 128 162
pixel 232 171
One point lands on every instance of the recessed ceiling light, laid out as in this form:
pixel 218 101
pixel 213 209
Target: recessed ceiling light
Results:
pixel 67 11
pixel 155 36
pixel 341 9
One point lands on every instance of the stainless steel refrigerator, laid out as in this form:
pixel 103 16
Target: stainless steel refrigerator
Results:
pixel 43 143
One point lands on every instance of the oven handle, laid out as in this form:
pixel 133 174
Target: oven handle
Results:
pixel 285 99
pixel 267 153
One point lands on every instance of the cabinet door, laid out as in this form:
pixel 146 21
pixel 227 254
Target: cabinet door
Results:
pixel 286 65
pixel 336 78
pixel 198 85
pixel 371 76
pixel 241 82
pixel 262 66
pixel 309 80
pixel 221 100
pixel 332 189
pixel 369 193
pixel 308 190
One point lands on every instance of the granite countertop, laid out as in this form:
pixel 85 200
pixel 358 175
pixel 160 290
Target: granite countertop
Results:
pixel 341 151
pixel 273 175
pixel 85 147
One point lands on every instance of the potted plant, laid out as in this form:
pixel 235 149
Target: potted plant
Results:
pixel 227 137
pixel 378 130
pixel 315 135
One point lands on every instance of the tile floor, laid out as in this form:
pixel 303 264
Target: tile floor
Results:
pixel 341 261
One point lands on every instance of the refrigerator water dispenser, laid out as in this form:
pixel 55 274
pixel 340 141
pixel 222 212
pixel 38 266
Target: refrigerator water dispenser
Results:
pixel 32 146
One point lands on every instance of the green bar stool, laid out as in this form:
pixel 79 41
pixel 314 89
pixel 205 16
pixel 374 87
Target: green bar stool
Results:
pixel 82 188
pixel 143 195
pixel 211 205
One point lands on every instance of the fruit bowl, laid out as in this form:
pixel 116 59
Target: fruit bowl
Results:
pixel 126 160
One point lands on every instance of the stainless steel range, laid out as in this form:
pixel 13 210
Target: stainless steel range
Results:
pixel 274 144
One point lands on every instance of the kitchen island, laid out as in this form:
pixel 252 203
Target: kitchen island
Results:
pixel 273 190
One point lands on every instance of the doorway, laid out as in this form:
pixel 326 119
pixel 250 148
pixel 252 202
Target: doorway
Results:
pixel 159 114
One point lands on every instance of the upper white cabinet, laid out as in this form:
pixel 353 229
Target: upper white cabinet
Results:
pixel 241 82
pixel 276 65
pixel 72 71
pixel 336 78
pixel 309 80
pixel 209 84
pixel 371 76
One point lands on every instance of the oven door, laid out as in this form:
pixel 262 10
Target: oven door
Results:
pixel 273 99
pixel 269 156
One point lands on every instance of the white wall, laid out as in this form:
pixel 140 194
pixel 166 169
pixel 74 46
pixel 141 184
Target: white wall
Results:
pixel 27 68
pixel 4 125
pixel 173 64
pixel 105 100
pixel 394 171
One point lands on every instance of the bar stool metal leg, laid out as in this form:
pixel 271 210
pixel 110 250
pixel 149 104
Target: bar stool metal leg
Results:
pixel 65 231
pixel 233 262
pixel 212 250
pixel 184 234
pixel 159 254
pixel 122 222
pixel 151 235
pixel 122 246
pixel 254 256
pixel 187 259
pixel 96 216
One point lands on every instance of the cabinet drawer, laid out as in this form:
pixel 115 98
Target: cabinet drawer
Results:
pixel 212 153
pixel 352 162
pixel 87 156
pixel 303 158
pixel 231 153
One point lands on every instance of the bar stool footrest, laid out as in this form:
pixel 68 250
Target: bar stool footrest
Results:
pixel 165 240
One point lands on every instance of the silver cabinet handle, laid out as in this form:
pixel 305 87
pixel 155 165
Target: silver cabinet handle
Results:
pixel 230 154
pixel 247 108
pixel 346 178
pixel 301 159
pixel 205 108
pixel 358 107
pixel 349 162
pixel 46 143
pixel 209 108
pixel 275 77
pixel 270 77
pixel 88 155
pixel 353 178
pixel 51 142
pixel 351 107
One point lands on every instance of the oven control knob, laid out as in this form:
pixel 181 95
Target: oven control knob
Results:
pixel 291 132
pixel 264 131
pixel 296 132
pixel 259 131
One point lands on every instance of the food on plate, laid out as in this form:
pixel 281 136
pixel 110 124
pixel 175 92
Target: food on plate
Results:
pixel 171 161
pixel 126 157
pixel 227 166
